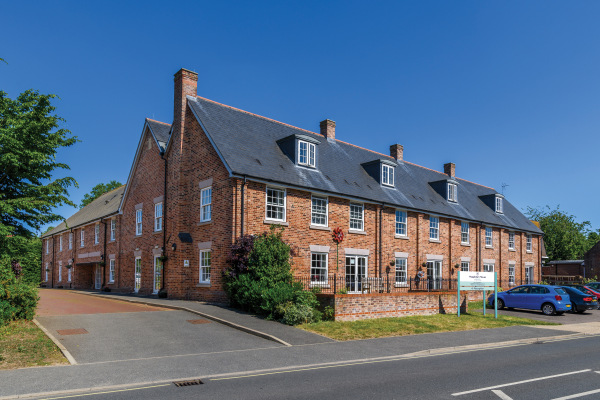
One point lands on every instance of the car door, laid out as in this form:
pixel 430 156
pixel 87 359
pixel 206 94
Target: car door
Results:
pixel 535 297
pixel 515 297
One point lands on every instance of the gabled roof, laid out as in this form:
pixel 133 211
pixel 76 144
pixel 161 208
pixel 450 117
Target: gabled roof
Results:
pixel 247 144
pixel 104 206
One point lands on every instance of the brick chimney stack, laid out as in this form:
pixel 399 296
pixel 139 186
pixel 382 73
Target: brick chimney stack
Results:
pixel 397 151
pixel 449 169
pixel 328 129
pixel 186 84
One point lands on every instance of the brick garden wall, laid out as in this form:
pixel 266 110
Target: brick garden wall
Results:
pixel 381 305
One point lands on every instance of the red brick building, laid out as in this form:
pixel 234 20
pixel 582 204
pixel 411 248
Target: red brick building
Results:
pixel 218 172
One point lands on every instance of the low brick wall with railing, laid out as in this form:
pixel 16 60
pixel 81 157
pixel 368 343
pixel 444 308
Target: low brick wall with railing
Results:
pixel 352 307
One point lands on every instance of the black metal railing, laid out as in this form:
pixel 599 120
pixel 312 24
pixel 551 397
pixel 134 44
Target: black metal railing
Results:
pixel 342 284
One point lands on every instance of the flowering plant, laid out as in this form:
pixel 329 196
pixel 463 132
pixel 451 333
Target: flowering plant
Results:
pixel 337 235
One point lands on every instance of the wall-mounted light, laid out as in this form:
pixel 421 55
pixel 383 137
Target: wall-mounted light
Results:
pixel 101 256
pixel 174 246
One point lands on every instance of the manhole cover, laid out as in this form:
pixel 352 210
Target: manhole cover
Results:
pixel 198 321
pixel 78 331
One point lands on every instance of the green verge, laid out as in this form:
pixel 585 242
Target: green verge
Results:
pixel 23 344
pixel 384 327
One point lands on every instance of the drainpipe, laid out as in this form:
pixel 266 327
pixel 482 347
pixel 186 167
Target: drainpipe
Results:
pixel 52 260
pixel 380 237
pixel 104 257
pixel 164 246
pixel 479 265
pixel 242 205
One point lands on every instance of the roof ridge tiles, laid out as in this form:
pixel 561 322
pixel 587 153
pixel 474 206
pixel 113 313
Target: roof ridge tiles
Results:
pixel 159 122
pixel 337 140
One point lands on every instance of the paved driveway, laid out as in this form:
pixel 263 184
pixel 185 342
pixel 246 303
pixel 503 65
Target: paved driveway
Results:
pixel 566 318
pixel 95 329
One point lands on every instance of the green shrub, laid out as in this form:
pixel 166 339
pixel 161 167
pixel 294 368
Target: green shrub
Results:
pixel 328 313
pixel 260 280
pixel 18 300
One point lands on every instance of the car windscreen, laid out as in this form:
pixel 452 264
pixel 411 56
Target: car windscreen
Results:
pixel 560 290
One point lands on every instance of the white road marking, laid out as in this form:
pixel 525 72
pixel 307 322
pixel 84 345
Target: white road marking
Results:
pixel 520 382
pixel 502 395
pixel 576 395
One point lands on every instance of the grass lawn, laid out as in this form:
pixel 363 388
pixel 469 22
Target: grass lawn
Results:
pixel 382 327
pixel 23 344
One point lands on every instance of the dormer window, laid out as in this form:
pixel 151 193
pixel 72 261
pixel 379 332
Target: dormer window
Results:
pixel 387 175
pixel 499 205
pixel 306 153
pixel 452 191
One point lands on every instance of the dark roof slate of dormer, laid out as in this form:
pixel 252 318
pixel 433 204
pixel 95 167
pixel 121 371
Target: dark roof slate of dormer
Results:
pixel 247 143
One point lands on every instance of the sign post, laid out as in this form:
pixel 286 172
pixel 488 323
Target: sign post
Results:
pixel 480 281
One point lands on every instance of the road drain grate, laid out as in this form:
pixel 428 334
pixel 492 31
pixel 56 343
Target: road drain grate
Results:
pixel 188 383
pixel 198 321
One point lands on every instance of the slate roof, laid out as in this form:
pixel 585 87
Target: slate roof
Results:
pixel 103 206
pixel 247 143
pixel 160 130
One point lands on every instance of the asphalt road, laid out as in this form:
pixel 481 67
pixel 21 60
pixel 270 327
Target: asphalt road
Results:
pixel 563 370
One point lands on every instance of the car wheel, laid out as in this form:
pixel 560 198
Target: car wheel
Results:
pixel 574 308
pixel 548 309
pixel 500 304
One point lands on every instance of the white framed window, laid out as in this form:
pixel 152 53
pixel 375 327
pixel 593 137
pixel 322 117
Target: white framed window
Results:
pixel 158 273
pixel 511 240
pixel 111 270
pixel 499 205
pixel 434 228
pixel 158 217
pixel 488 237
pixel 529 244
pixel 465 236
pixel 113 229
pixel 319 211
pixel 46 275
pixel 528 274
pixel 452 192
pixel 205 256
pixel 97 234
pixel 511 274
pixel 138 275
pixel 47 246
pixel 401 223
pixel 70 240
pixel 401 271
pixel 489 267
pixel 69 274
pixel 60 243
pixel 356 216
pixel 464 266
pixel 275 204
pixel 60 271
pixel 82 237
pixel 206 204
pixel 138 222
pixel 306 153
pixel 318 267
pixel 387 175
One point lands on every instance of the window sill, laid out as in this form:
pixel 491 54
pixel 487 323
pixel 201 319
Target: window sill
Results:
pixel 203 284
pixel 320 228
pixel 320 285
pixel 357 232
pixel 529 252
pixel 512 249
pixel 157 232
pixel 435 241
pixel 465 244
pixel 404 237
pixel 201 223
pixel 489 247
pixel 275 222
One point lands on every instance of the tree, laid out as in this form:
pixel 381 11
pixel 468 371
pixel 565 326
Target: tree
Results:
pixel 30 136
pixel 98 191
pixel 564 237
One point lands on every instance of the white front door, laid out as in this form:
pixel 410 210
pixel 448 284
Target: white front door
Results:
pixel 157 275
pixel 138 275
pixel 98 280
pixel 434 274
pixel 529 274
pixel 356 269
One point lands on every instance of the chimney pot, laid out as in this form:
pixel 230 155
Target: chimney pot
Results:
pixel 328 129
pixel 397 151
pixel 450 169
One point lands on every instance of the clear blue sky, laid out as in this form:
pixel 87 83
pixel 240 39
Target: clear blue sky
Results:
pixel 507 90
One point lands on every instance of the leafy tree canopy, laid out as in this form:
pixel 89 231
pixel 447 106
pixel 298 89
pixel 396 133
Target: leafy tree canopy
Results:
pixel 564 237
pixel 30 137
pixel 98 191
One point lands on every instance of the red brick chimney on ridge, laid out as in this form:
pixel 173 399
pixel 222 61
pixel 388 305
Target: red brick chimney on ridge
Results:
pixel 450 169
pixel 186 84
pixel 328 129
pixel 397 151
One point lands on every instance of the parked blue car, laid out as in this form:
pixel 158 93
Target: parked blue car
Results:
pixel 549 299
